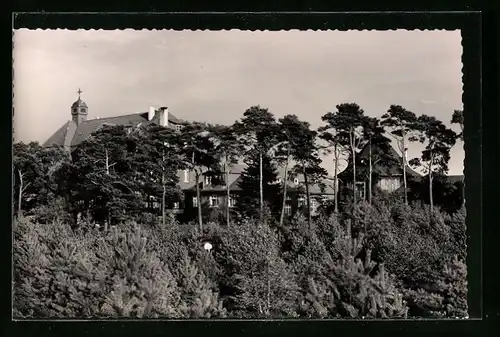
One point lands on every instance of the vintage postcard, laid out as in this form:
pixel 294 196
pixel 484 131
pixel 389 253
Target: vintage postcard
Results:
pixel 237 174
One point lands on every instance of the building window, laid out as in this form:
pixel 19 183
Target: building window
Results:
pixel 313 204
pixel 288 209
pixel 214 201
pixel 301 202
pixel 176 205
pixel 232 201
pixel 178 127
pixel 389 184
pixel 208 180
pixel 360 189
pixel 296 181
pixel 186 176
pixel 195 202
pixel 84 110
pixel 74 110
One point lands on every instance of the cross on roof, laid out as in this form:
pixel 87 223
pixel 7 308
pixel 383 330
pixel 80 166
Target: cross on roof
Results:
pixel 79 92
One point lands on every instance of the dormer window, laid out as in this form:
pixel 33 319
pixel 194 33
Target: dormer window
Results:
pixel 296 181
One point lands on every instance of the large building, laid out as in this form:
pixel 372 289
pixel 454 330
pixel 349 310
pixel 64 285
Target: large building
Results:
pixel 80 127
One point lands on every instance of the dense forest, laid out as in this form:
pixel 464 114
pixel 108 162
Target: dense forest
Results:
pixel 389 256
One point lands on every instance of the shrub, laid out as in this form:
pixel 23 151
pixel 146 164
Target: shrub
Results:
pixel 199 296
pixel 254 270
pixel 448 294
pixel 257 281
pixel 414 258
pixel 352 288
pixel 47 262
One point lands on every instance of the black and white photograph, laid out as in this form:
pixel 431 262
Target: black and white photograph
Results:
pixel 233 174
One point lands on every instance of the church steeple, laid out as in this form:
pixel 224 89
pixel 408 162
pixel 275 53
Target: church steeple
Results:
pixel 79 109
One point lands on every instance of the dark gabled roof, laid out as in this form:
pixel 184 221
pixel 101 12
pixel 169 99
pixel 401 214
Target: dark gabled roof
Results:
pixel 71 135
pixel 325 187
pixel 86 128
pixel 59 136
pixel 386 170
pixel 234 176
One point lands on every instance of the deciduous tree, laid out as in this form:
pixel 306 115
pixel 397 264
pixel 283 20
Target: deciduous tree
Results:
pixel 35 174
pixel 103 164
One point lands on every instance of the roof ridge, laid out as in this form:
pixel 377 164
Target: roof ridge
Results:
pixel 119 116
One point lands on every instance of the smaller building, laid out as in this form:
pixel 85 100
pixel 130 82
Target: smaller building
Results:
pixel 387 172
pixel 387 176
pixel 213 191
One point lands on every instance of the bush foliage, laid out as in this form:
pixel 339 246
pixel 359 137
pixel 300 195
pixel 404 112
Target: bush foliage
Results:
pixel 386 261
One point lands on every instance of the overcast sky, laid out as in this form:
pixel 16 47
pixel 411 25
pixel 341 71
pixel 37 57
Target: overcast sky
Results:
pixel 216 76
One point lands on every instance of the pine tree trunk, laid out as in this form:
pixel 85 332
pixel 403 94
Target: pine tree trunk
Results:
pixel 308 199
pixel 228 195
pixel 431 199
pixel 370 174
pixel 20 196
pixel 335 174
pixel 163 197
pixel 268 302
pixel 163 186
pixel 261 186
pixel 200 218
pixel 285 179
pixel 107 162
pixel 354 173
pixel 404 165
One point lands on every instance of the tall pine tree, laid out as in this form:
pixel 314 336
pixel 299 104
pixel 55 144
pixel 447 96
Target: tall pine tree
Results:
pixel 248 198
